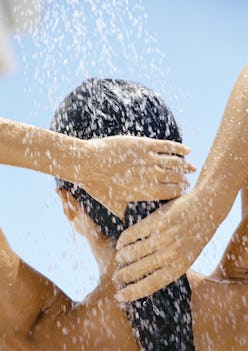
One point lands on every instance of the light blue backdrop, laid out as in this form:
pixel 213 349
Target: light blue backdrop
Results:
pixel 189 51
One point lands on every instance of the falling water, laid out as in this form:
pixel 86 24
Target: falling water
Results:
pixel 97 38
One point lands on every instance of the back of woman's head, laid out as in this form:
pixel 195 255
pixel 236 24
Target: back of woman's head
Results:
pixel 104 107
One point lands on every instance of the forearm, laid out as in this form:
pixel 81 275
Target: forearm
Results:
pixel 42 150
pixel 226 167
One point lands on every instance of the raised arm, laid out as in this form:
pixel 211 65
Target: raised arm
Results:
pixel 176 233
pixel 226 167
pixel 113 170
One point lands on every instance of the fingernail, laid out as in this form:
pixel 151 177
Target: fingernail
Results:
pixel 119 297
pixel 188 149
pixel 193 168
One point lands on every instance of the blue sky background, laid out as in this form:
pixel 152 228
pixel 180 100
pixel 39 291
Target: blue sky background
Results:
pixel 191 52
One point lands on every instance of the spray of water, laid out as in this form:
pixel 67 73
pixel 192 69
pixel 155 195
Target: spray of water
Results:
pixel 75 40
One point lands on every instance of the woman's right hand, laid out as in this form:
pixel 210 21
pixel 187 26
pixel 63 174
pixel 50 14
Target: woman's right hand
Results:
pixel 114 170
pixel 127 168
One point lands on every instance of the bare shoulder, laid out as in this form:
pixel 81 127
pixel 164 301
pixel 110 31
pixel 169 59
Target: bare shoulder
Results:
pixel 198 281
pixel 23 292
pixel 9 263
pixel 219 312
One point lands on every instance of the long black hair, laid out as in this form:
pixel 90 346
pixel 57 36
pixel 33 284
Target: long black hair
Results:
pixel 105 107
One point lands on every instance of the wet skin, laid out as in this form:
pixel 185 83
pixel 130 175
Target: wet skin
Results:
pixel 155 251
pixel 36 315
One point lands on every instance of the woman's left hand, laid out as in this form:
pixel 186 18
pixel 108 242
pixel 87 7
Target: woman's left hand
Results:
pixel 160 248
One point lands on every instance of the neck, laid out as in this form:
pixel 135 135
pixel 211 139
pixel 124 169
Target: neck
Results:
pixel 102 248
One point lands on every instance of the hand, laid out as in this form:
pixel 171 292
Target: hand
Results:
pixel 160 248
pixel 114 170
pixel 126 168
pixel 174 236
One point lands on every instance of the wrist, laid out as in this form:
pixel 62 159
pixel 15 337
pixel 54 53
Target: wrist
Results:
pixel 77 161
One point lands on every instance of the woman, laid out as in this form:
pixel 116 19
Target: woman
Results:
pixel 51 321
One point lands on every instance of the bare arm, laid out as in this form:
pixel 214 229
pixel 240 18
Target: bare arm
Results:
pixel 225 170
pixel 23 292
pixel 114 170
pixel 27 146
pixel 184 226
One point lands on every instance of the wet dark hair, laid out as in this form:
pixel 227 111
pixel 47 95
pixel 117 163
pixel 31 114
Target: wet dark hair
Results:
pixel 105 107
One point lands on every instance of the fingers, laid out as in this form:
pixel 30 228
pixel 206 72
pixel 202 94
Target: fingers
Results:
pixel 149 184
pixel 190 168
pixel 149 175
pixel 147 286
pixel 142 248
pixel 145 265
pixel 169 176
pixel 171 162
pixel 137 231
pixel 145 143
pixel 168 191
pixel 153 223
pixel 170 147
